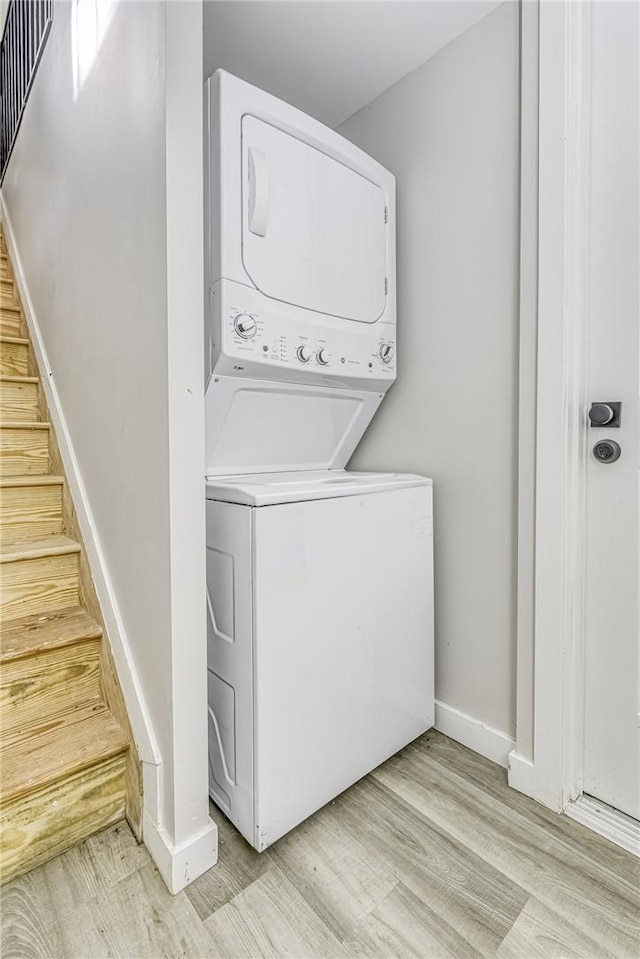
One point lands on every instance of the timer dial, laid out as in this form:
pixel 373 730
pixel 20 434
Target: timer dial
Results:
pixel 245 326
pixel 322 357
pixel 303 353
pixel 386 352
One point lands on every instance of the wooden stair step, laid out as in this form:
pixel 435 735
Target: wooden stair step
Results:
pixel 14 356
pixel 31 507
pixel 35 634
pixel 10 319
pixel 8 295
pixel 61 748
pixel 8 291
pixel 57 545
pixel 59 787
pixel 18 399
pixel 38 576
pixel 48 684
pixel 24 448
pixel 49 664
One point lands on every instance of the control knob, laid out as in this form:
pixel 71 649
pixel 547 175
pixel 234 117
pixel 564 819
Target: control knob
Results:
pixel 322 358
pixel 303 353
pixel 386 352
pixel 245 326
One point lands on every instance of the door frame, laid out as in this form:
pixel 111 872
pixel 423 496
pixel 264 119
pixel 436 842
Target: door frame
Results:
pixel 547 761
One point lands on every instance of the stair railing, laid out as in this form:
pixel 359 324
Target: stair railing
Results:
pixel 25 33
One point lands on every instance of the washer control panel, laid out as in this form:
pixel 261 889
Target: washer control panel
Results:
pixel 259 337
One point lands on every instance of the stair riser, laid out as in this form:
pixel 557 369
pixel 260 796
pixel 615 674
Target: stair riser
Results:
pixel 18 402
pixel 7 295
pixel 10 321
pixel 38 585
pixel 46 823
pixel 4 268
pixel 30 512
pixel 24 451
pixel 14 359
pixel 36 688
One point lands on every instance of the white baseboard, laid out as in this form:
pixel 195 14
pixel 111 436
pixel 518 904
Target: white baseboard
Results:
pixel 521 773
pixel 478 736
pixel 180 865
pixel 606 821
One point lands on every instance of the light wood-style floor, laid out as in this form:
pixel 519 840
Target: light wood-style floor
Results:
pixel 430 856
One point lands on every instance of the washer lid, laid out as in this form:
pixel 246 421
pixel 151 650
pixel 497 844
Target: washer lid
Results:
pixel 269 489
pixel 263 426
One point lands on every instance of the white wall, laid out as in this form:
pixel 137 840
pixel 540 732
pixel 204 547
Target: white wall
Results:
pixel 97 173
pixel 330 59
pixel 449 132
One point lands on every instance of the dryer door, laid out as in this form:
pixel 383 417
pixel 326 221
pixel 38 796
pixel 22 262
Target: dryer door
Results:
pixel 313 232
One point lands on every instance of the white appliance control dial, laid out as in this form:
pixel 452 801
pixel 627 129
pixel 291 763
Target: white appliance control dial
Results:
pixel 303 353
pixel 322 358
pixel 245 326
pixel 386 352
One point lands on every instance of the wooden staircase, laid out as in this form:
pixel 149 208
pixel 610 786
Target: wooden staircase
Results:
pixel 67 766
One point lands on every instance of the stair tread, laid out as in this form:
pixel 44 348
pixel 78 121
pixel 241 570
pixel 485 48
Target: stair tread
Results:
pixel 17 340
pixel 60 748
pixel 29 479
pixel 56 544
pixel 25 425
pixel 5 378
pixel 45 631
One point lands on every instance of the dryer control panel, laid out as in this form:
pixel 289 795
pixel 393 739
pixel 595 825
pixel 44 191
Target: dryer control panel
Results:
pixel 253 336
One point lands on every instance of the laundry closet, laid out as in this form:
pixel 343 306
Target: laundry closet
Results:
pixel 361 170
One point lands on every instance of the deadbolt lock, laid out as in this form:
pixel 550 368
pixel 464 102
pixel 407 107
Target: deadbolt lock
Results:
pixel 607 451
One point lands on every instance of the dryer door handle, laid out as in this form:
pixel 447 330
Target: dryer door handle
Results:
pixel 258 192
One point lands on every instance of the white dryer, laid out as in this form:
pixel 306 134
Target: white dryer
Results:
pixel 320 581
pixel 300 265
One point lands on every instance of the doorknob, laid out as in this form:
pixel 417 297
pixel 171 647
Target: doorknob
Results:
pixel 605 414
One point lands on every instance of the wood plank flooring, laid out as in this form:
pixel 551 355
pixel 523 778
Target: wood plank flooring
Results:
pixel 431 856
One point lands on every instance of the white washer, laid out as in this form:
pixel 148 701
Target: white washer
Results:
pixel 320 639
pixel 320 582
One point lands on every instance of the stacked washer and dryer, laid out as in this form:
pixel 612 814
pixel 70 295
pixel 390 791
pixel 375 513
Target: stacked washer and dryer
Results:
pixel 319 580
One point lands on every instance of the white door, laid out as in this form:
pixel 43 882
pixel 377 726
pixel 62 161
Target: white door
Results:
pixel 612 665
pixel 313 231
